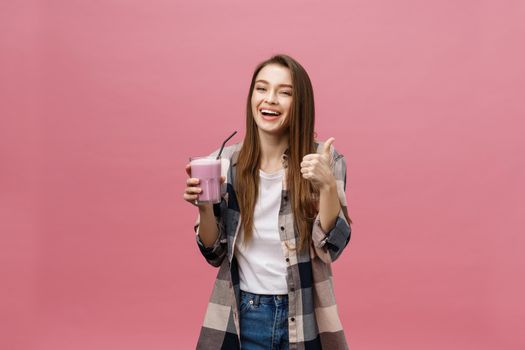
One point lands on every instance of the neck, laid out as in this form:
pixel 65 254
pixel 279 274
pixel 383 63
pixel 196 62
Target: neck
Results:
pixel 272 149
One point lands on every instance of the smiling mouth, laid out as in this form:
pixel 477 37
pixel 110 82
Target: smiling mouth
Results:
pixel 269 113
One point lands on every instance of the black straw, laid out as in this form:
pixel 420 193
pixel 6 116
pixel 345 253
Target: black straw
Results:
pixel 222 147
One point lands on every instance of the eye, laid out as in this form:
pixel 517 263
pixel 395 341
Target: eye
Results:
pixel 289 93
pixel 260 88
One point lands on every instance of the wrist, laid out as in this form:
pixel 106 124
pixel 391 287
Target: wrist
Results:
pixel 205 208
pixel 329 186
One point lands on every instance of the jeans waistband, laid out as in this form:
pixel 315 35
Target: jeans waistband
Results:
pixel 265 298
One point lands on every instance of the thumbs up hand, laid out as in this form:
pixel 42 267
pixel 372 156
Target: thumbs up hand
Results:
pixel 317 168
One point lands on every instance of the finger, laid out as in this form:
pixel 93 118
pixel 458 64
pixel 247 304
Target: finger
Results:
pixel 312 160
pixel 188 169
pixel 311 156
pixel 192 181
pixel 223 179
pixel 193 190
pixel 327 145
pixel 190 197
pixel 309 165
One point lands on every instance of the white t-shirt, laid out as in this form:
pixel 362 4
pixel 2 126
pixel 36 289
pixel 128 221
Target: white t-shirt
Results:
pixel 262 267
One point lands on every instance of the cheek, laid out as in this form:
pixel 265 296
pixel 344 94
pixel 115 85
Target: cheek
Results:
pixel 288 107
pixel 256 97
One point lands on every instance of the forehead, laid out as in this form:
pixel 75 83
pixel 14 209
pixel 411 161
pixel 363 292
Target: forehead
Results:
pixel 275 74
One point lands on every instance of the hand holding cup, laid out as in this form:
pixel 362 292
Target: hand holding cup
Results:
pixel 193 192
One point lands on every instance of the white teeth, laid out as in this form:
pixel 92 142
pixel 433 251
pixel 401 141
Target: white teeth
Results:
pixel 269 112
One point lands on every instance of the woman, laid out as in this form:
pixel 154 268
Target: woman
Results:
pixel 274 288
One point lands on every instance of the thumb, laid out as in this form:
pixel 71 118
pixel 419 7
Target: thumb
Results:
pixel 327 145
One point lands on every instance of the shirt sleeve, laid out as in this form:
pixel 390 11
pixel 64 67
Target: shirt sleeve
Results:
pixel 329 245
pixel 214 254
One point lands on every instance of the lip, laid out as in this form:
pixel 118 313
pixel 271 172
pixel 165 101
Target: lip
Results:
pixel 268 118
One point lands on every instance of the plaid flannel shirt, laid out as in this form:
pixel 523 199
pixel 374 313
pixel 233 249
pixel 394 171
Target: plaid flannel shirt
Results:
pixel 313 320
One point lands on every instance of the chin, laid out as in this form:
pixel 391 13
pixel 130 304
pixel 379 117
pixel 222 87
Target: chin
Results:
pixel 273 131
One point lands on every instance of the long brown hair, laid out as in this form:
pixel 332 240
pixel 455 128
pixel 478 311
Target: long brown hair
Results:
pixel 303 196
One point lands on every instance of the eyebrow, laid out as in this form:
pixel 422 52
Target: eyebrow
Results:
pixel 264 81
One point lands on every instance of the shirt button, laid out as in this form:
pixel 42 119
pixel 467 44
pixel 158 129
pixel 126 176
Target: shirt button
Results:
pixel 285 198
pixel 287 260
pixel 282 228
pixel 292 319
pixel 292 289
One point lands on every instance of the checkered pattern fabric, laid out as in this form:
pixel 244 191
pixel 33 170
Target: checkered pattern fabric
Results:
pixel 313 321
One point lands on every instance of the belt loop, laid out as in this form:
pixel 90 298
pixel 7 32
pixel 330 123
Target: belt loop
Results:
pixel 256 300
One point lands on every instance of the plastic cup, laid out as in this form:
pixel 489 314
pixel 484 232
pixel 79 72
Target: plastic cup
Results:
pixel 208 171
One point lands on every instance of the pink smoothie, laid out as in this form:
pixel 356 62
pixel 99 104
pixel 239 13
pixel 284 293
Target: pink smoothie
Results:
pixel 208 171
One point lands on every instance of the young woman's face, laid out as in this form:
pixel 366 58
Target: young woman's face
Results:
pixel 272 98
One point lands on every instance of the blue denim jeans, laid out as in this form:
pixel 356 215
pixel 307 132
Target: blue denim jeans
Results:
pixel 263 321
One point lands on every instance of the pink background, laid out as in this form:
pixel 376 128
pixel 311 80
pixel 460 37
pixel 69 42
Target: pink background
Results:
pixel 102 103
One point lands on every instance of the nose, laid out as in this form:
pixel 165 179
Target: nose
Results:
pixel 271 97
